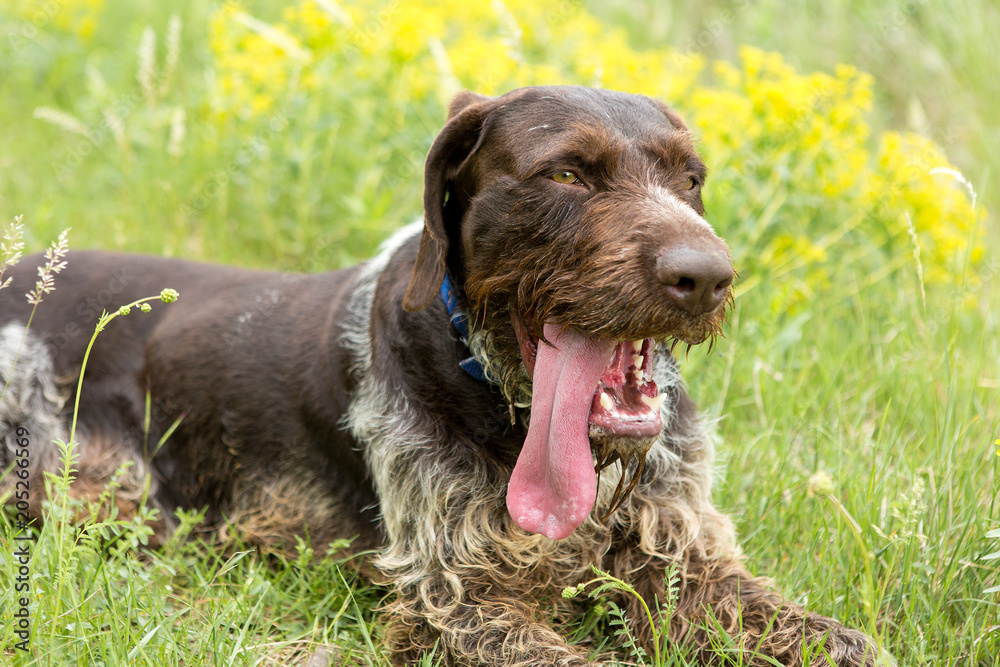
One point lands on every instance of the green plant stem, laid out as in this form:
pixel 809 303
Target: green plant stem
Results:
pixel 867 557
pixel 104 320
pixel 70 446
pixel 628 588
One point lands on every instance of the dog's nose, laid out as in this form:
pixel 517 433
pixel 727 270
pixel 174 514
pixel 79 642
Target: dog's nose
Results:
pixel 696 280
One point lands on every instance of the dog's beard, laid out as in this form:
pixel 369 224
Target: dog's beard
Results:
pixel 623 450
pixel 617 418
pixel 494 345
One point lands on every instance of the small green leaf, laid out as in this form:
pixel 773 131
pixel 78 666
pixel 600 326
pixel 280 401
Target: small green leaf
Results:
pixel 231 563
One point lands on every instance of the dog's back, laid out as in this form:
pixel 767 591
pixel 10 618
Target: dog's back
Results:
pixel 247 359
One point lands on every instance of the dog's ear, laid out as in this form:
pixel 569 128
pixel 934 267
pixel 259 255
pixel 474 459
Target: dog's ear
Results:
pixel 671 115
pixel 454 144
pixel 464 99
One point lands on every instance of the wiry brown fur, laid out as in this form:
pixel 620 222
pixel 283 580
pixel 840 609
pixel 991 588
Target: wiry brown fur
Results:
pixel 467 580
pixel 334 404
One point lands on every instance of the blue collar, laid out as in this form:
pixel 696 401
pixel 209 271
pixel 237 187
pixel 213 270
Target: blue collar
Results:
pixel 460 321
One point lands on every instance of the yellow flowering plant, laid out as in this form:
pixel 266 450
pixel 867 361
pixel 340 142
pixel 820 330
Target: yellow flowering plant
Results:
pixel 798 181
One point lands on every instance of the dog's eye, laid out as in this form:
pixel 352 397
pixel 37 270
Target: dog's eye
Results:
pixel 691 184
pixel 567 177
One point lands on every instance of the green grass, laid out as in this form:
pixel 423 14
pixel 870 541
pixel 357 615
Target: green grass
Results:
pixel 897 399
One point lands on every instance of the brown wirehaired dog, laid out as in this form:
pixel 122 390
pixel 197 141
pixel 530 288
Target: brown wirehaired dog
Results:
pixel 491 402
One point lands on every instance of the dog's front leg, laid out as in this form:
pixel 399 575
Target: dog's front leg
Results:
pixel 720 608
pixel 464 583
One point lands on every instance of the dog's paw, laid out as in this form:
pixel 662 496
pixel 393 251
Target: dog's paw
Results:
pixel 851 648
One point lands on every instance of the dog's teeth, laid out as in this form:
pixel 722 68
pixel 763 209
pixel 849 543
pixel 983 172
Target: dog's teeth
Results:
pixel 637 360
pixel 640 377
pixel 654 402
pixel 606 402
pixel 637 345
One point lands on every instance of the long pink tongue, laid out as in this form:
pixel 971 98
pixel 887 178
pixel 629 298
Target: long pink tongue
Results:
pixel 553 486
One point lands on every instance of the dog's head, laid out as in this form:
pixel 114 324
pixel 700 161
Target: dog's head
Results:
pixel 572 217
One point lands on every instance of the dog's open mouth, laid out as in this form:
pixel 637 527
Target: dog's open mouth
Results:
pixel 590 397
pixel 626 403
